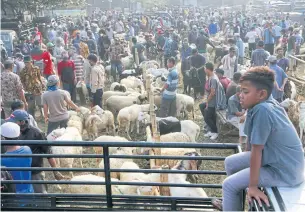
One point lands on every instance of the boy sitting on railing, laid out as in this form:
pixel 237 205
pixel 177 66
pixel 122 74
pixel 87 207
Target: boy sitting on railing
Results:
pixel 236 115
pixel 275 157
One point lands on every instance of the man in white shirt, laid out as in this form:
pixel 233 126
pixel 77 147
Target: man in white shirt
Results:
pixel 252 36
pixel 119 26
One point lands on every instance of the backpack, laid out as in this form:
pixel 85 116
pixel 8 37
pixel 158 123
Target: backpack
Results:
pixel 67 75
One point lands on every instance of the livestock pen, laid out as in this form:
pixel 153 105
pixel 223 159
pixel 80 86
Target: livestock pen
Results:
pixel 108 201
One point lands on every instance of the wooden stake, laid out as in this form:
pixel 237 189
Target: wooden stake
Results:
pixel 164 190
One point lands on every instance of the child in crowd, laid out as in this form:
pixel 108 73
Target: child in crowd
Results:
pixel 236 115
pixel 274 155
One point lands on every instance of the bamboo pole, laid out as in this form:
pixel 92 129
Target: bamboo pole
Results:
pixel 155 133
pixel 136 57
pixel 164 190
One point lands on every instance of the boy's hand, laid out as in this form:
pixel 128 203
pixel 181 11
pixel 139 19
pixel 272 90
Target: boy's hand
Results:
pixel 257 194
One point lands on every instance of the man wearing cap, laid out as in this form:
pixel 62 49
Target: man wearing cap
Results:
pixel 11 87
pixel 54 105
pixel 31 80
pixel 259 55
pixel 28 132
pixel 11 131
pixel 281 79
pixel 18 105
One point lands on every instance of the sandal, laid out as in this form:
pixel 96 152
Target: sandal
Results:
pixel 217 203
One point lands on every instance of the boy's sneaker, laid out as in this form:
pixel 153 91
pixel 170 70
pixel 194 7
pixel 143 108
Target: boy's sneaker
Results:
pixel 209 134
pixel 214 136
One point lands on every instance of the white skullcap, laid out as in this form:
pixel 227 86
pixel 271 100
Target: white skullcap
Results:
pixel 10 130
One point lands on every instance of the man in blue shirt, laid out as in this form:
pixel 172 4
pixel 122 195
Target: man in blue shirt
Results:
pixel 169 91
pixel 269 35
pixel 11 131
pixel 282 61
pixel 213 28
pixel 280 79
pixel 241 48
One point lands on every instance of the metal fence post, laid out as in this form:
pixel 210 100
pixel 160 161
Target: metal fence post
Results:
pixel 107 176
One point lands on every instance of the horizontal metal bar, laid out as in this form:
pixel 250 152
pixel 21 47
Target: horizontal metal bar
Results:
pixel 115 170
pixel 169 157
pixel 112 183
pixel 52 155
pixel 115 197
pixel 214 158
pixel 117 156
pixel 125 144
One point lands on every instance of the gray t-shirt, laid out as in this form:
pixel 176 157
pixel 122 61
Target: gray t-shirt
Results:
pixel 233 107
pixel 268 124
pixel 212 83
pixel 56 103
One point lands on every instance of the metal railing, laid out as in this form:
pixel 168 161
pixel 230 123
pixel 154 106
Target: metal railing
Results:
pixel 64 201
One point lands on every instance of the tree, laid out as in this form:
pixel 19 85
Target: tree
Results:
pixel 33 6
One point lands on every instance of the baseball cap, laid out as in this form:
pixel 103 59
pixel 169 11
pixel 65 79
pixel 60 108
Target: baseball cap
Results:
pixel 52 80
pixel 18 115
pixel 272 58
pixel 10 130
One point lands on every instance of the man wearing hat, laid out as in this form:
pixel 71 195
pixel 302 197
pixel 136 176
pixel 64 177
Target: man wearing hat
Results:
pixel 28 132
pixel 259 55
pixel 54 105
pixel 11 87
pixel 32 83
pixel 281 79
pixel 11 131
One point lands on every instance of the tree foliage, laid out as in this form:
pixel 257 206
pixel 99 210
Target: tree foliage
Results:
pixel 19 6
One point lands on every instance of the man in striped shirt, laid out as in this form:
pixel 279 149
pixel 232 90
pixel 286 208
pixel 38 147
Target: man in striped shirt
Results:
pixel 259 56
pixel 78 61
pixel 169 91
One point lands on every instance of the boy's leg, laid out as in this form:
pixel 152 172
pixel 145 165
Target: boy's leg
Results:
pixel 233 186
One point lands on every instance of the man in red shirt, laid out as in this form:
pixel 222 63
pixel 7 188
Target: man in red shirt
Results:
pixel 223 80
pixel 66 72
pixel 42 59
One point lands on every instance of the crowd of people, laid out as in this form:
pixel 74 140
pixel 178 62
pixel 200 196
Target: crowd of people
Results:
pixel 46 71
